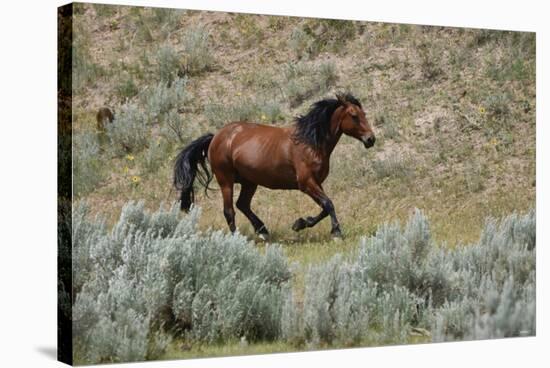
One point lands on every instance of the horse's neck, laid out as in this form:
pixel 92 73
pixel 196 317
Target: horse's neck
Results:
pixel 335 133
pixel 332 142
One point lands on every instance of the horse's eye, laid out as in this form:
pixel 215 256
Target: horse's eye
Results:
pixel 355 119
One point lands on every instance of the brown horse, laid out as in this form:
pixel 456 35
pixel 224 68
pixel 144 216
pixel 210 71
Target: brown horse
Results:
pixel 291 157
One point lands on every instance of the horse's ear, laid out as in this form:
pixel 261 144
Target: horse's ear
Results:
pixel 341 98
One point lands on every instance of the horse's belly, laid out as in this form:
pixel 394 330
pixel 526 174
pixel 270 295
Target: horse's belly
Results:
pixel 270 177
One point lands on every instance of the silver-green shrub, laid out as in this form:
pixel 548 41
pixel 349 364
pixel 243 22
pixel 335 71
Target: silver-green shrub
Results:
pixel 164 98
pixel 301 43
pixel 396 165
pixel 342 306
pixel 153 276
pixel 223 288
pixel 497 283
pixel 154 156
pixel 168 63
pixel 163 104
pixel 129 131
pixel 304 80
pixel 408 258
pixel 177 128
pixel 197 50
pixel 247 109
pixel 506 311
pixel 401 282
pixel 87 165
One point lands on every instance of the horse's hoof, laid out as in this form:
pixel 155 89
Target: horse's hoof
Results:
pixel 336 235
pixel 263 236
pixel 300 224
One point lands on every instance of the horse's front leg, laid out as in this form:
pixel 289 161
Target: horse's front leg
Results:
pixel 315 191
pixel 309 221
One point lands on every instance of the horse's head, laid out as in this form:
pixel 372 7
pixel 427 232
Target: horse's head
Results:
pixel 353 121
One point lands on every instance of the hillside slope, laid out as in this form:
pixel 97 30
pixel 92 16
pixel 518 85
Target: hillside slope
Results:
pixel 453 110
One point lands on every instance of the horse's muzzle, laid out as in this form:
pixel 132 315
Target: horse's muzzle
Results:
pixel 368 141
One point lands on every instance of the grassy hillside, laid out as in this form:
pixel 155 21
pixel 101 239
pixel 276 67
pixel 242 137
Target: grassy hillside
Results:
pixel 453 110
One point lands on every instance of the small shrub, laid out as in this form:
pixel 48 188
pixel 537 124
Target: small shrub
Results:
pixel 480 37
pixel 292 322
pixel 104 10
pixel 395 165
pixel 85 71
pixel 169 64
pixel 389 125
pixel 126 88
pixel 272 112
pixel 498 107
pixel 218 115
pixel 329 35
pixel 87 166
pixel 298 91
pixel 263 80
pixel 250 33
pixel 303 81
pixel 343 307
pixel 301 43
pixel 453 320
pixel 175 129
pixel 129 131
pixel 327 75
pixel 244 110
pixel 166 20
pixel 506 311
pixel 430 61
pixel 165 98
pixel 474 178
pixel 155 156
pixel 198 54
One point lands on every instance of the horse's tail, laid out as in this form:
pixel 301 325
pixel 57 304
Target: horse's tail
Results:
pixel 192 160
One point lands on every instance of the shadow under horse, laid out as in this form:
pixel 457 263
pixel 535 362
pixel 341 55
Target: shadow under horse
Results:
pixel 294 157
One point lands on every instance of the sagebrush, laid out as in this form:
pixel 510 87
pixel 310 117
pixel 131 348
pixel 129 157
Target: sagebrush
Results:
pixel 401 283
pixel 154 277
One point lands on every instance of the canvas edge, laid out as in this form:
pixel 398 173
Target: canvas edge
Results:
pixel 64 183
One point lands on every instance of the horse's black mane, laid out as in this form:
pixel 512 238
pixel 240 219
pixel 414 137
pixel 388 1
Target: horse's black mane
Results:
pixel 313 128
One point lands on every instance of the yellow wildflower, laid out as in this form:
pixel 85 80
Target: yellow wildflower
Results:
pixel 130 157
pixel 482 110
pixel 135 179
pixel 264 117
pixel 494 142
pixel 126 169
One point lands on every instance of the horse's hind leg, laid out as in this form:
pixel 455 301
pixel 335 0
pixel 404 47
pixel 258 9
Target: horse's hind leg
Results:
pixel 243 204
pixel 226 187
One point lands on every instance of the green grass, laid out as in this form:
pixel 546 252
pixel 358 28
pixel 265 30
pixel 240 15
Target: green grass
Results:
pixel 180 349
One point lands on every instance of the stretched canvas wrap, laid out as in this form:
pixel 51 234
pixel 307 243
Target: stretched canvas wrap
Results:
pixel 198 215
